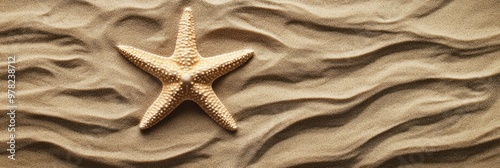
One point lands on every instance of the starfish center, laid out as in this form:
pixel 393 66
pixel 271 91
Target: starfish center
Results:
pixel 186 78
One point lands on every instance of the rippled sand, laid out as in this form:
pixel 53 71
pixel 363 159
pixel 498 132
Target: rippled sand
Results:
pixel 339 84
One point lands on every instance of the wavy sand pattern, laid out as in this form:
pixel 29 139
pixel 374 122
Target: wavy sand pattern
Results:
pixel 339 84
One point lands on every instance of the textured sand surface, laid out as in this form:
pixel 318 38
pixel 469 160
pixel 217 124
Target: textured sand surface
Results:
pixel 337 84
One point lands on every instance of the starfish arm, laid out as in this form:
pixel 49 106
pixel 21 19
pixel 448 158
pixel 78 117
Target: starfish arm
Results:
pixel 169 98
pixel 186 38
pixel 151 63
pixel 213 67
pixel 185 52
pixel 205 97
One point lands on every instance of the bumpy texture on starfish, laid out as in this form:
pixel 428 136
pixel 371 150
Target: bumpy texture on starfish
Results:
pixel 186 76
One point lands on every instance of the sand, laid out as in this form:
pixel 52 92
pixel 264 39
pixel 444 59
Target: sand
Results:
pixel 331 84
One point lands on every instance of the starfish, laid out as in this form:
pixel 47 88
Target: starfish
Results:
pixel 186 75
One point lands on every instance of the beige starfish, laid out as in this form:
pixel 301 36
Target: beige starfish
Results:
pixel 186 76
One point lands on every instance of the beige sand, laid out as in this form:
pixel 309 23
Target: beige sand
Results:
pixel 339 84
